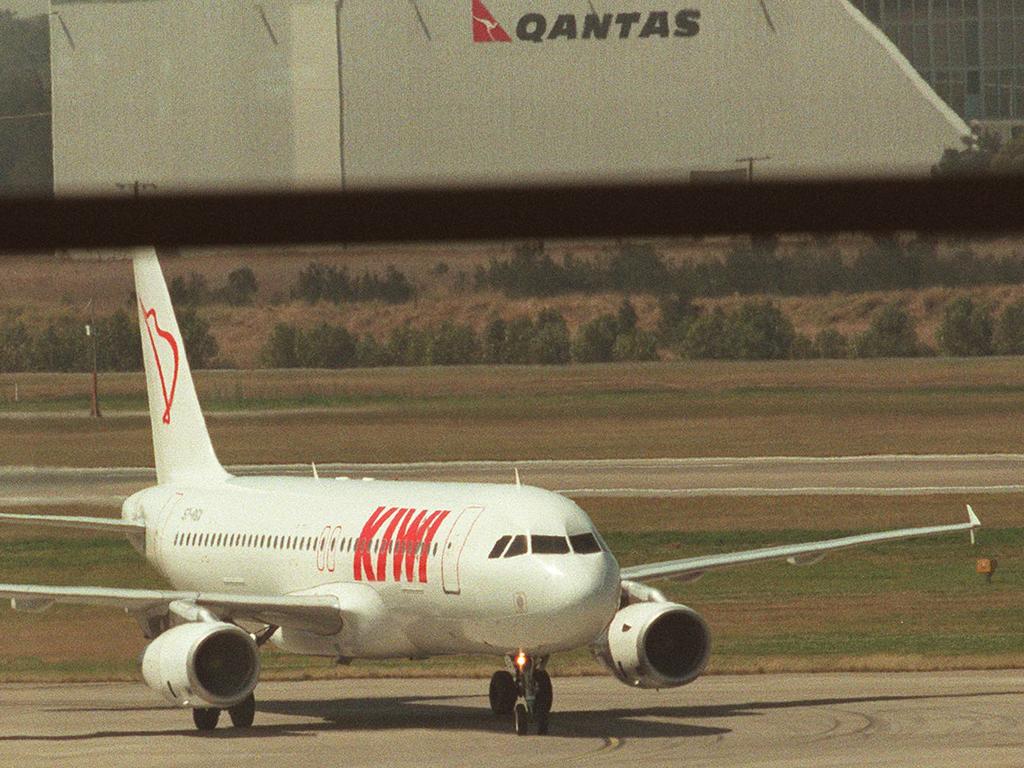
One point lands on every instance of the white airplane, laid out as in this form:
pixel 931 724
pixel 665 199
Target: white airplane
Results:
pixel 373 570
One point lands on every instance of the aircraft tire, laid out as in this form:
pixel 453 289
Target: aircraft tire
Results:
pixel 522 720
pixel 243 713
pixel 205 718
pixel 502 693
pixel 545 695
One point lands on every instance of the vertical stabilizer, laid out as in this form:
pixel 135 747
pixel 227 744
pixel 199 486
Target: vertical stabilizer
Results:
pixel 181 444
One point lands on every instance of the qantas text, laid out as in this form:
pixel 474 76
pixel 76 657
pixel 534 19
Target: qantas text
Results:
pixel 536 28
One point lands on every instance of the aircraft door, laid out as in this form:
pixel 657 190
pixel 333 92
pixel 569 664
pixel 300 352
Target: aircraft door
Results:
pixel 453 547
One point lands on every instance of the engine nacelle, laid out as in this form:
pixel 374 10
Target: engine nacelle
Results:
pixel 655 645
pixel 202 664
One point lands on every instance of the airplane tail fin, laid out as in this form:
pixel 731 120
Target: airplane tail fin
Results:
pixel 181 443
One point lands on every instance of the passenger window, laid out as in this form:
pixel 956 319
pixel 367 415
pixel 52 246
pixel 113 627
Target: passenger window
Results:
pixel 517 547
pixel 584 544
pixel 499 546
pixel 549 545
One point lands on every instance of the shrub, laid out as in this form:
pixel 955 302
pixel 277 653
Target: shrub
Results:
pixel 966 329
pixel 326 346
pixel 192 291
pixel 891 334
pixel 118 346
pixel 452 344
pixel 831 344
pixel 281 349
pixel 637 267
pixel 241 287
pixel 675 313
pixel 61 347
pixel 195 334
pixel 706 337
pixel 407 346
pixel 635 345
pixel 370 353
pixel 759 331
pixel 802 348
pixel 550 344
pixel 320 282
pixel 1008 338
pixel 15 347
pixel 596 340
pixel 494 341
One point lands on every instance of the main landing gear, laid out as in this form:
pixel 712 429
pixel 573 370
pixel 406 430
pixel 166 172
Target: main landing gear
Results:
pixel 528 681
pixel 242 714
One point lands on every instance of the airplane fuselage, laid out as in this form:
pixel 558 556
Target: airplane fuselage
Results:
pixel 415 566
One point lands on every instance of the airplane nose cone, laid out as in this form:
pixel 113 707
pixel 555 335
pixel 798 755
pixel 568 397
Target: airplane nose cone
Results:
pixel 580 596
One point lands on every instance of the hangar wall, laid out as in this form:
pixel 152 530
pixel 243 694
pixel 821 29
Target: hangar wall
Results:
pixel 196 93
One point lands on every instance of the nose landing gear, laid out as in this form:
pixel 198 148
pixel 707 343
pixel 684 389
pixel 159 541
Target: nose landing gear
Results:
pixel 529 681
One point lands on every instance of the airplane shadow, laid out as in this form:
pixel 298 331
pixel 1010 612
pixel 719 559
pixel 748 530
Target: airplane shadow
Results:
pixel 434 713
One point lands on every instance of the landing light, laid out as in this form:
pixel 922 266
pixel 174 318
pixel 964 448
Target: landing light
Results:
pixel 521 660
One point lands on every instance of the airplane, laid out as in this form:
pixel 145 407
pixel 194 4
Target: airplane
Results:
pixel 368 569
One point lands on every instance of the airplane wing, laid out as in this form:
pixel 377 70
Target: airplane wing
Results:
pixel 797 554
pixel 110 524
pixel 320 614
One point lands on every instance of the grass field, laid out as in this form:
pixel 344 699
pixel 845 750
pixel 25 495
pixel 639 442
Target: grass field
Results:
pixel 480 412
pixel 911 605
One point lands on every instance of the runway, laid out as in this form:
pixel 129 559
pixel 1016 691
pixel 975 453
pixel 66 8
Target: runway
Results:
pixel 583 478
pixel 907 719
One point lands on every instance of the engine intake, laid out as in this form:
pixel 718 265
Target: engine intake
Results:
pixel 202 664
pixel 655 645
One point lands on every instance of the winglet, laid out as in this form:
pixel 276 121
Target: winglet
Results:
pixel 975 522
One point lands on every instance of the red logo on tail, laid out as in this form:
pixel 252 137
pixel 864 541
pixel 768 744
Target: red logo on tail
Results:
pixel 485 28
pixel 168 392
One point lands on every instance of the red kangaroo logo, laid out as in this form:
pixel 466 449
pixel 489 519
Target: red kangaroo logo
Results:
pixel 486 29
pixel 168 392
pixel 407 535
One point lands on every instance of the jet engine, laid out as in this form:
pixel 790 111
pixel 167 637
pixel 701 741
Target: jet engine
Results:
pixel 655 645
pixel 202 664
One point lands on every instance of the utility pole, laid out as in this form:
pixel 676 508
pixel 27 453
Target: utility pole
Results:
pixel 90 331
pixel 135 187
pixel 750 164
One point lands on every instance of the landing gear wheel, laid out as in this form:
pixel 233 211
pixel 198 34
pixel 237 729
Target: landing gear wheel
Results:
pixel 205 718
pixel 522 720
pixel 503 693
pixel 545 694
pixel 242 714
pixel 541 719
pixel 543 697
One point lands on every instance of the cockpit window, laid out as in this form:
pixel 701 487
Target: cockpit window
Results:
pixel 549 545
pixel 499 546
pixel 517 547
pixel 584 544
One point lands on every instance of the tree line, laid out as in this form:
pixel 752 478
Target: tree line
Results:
pixel 316 282
pixel 62 344
pixel 756 329
pixel 758 267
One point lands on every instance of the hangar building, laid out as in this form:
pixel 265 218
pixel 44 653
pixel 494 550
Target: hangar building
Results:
pixel 202 93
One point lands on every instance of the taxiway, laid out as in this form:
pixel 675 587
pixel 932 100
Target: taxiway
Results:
pixel 906 719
